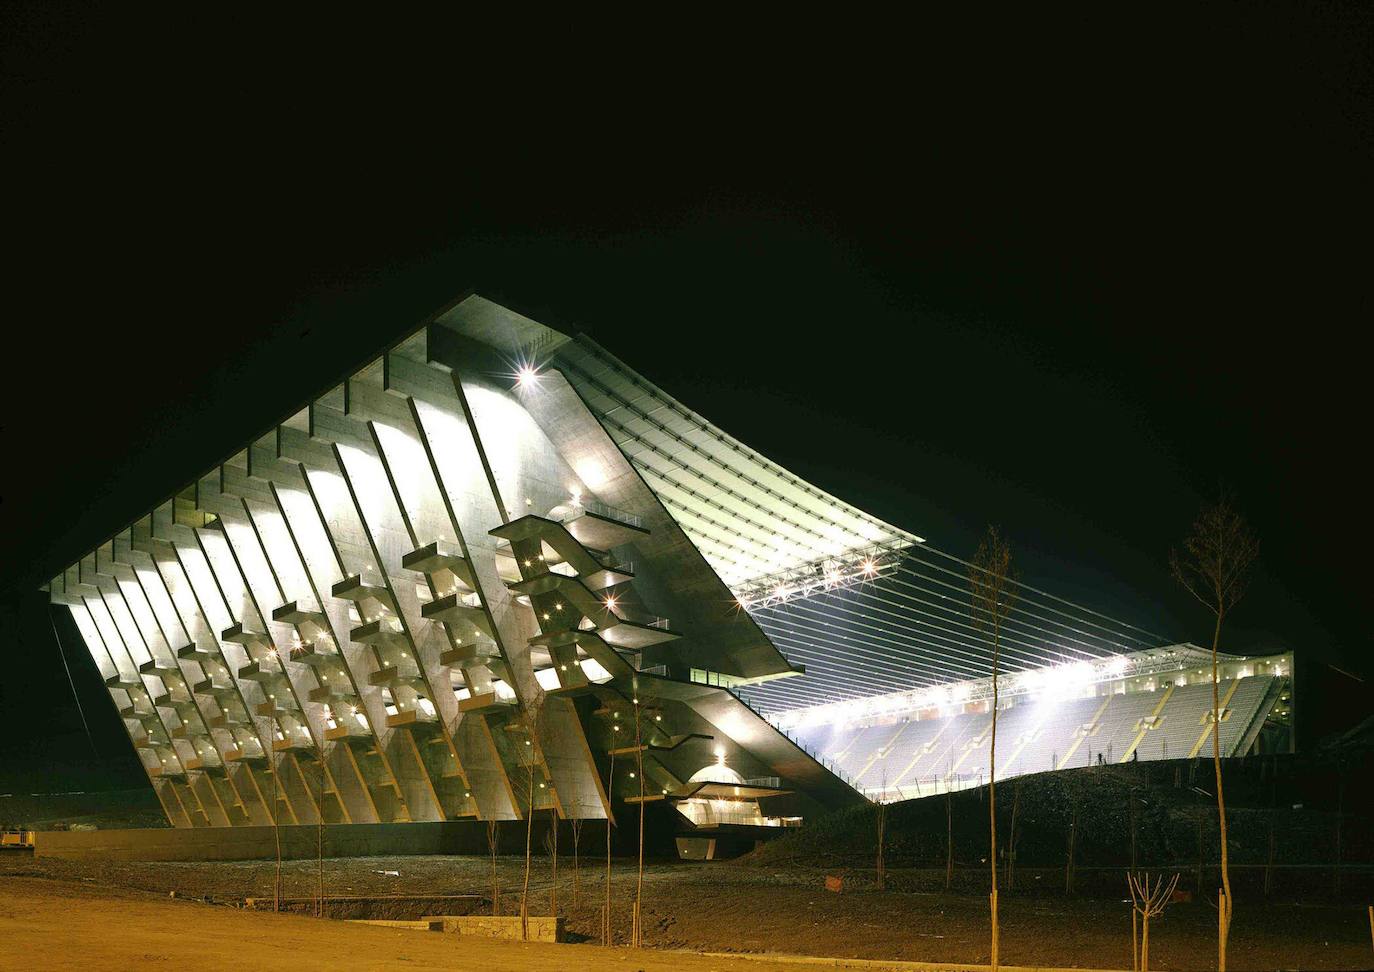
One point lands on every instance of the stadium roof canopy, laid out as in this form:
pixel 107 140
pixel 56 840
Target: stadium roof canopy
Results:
pixel 866 607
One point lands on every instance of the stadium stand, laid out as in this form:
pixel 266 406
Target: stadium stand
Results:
pixel 902 755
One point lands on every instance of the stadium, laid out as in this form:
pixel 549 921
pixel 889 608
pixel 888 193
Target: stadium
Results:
pixel 472 576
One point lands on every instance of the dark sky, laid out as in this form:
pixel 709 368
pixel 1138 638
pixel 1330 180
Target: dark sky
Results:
pixel 1070 287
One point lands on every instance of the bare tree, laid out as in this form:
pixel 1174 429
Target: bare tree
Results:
pixel 636 939
pixel 882 835
pixel 275 768
pixel 949 833
pixel 551 846
pixel 992 584
pixel 1147 901
pixel 1214 567
pixel 319 831
pixel 610 822
pixel 533 711
pixel 576 825
pixel 493 845
pixel 1011 838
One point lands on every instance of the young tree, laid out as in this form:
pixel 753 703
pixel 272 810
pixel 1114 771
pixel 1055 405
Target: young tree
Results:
pixel 532 719
pixel 610 822
pixel 274 769
pixel 493 845
pixel 576 825
pixel 636 932
pixel 551 845
pixel 882 833
pixel 319 831
pixel 1214 567
pixel 1147 901
pixel 992 584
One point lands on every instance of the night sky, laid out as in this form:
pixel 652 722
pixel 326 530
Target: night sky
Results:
pixel 1073 292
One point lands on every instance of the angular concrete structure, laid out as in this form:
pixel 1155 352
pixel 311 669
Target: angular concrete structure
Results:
pixel 438 591
pixel 493 564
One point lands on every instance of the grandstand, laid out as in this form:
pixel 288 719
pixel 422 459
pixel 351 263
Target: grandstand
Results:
pixel 1151 705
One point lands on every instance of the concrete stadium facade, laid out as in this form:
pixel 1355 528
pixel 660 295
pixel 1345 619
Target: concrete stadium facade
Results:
pixel 496 571
pixel 438 591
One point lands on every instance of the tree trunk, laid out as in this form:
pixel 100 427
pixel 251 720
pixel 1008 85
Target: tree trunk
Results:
pixel 493 843
pixel 992 791
pixel 319 835
pixel 610 791
pixel 1068 865
pixel 1011 838
pixel 577 839
pixel 553 857
pixel 1225 923
pixel 949 830
pixel 529 836
pixel 638 931
pixel 276 836
pixel 882 829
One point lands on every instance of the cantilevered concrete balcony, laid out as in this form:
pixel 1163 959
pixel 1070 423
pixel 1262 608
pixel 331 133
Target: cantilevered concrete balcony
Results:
pixel 440 556
pixel 197 652
pixel 590 643
pixel 213 689
pixel 661 743
pixel 395 676
pixel 414 715
pixel 382 633
pixel 604 530
pixel 456 609
pixel 297 740
pixel 241 634
pixel 229 717
pixel 615 630
pixel 315 653
pixel 276 707
pixel 264 671
pixel 360 593
pixel 333 689
pixel 485 702
pixel 594 573
pixel 348 726
pixel 207 762
pixel 123 681
pixel 160 668
pixel 148 718
pixel 240 755
pixel 301 615
pixel 469 655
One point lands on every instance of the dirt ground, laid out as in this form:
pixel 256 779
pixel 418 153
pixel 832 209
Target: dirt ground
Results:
pixel 60 925
pixel 719 907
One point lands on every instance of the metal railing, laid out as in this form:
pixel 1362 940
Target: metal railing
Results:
pixel 601 510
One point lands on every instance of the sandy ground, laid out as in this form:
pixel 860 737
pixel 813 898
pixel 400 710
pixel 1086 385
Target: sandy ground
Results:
pixel 57 925
pixel 702 908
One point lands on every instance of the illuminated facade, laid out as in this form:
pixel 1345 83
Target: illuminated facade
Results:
pixel 495 561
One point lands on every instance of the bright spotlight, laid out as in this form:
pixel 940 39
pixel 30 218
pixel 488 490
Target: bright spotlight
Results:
pixel 526 376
